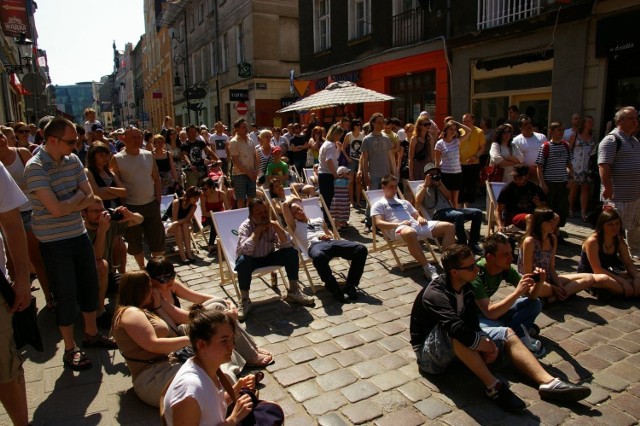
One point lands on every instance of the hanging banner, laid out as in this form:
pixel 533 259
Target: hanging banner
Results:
pixel 14 18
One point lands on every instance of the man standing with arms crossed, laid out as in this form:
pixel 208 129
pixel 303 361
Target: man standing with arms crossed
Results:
pixel 245 164
pixel 618 163
pixel 59 190
pixel 138 172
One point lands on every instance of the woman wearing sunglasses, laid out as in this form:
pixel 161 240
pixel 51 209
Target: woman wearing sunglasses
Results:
pixel 168 291
pixel 21 130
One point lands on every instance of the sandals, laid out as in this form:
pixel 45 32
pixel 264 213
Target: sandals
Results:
pixel 76 360
pixel 99 341
pixel 262 360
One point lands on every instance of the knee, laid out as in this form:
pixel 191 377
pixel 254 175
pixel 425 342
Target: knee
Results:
pixel 103 268
pixel 361 251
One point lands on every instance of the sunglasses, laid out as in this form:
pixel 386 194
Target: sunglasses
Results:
pixel 424 124
pixel 467 268
pixel 68 142
pixel 165 278
pixel 24 131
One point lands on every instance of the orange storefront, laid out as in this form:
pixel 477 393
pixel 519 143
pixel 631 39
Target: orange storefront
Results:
pixel 418 82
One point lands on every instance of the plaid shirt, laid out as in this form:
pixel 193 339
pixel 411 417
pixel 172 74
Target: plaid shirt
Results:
pixel 267 243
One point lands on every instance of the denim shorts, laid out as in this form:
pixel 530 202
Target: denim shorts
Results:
pixel 437 352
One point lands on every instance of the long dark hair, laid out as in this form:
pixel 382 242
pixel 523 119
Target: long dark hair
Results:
pixel 538 217
pixel 500 130
pixel 607 216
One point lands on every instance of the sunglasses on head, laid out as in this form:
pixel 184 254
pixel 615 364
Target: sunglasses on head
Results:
pixel 165 278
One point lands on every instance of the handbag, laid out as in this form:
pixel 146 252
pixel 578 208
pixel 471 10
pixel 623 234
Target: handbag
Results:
pixel 25 322
pixel 494 173
pixel 263 413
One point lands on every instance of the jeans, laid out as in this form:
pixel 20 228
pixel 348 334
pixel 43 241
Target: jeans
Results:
pixel 458 217
pixel 523 312
pixel 326 184
pixel 287 257
pixel 73 277
pixel 322 252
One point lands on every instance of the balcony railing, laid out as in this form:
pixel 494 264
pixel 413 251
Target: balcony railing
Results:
pixel 408 27
pixel 494 13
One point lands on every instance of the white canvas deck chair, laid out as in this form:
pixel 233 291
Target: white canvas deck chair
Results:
pixel 391 244
pixel 312 209
pixel 412 186
pixel 227 223
pixel 165 202
pixel 493 191
pixel 308 173
pixel 197 228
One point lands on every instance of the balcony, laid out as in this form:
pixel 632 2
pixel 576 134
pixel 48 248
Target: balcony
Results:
pixel 494 13
pixel 408 27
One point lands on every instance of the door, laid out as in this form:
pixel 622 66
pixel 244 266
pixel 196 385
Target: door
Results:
pixel 536 106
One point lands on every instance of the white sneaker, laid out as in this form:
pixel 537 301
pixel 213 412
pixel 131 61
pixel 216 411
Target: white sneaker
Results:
pixel 300 298
pixel 430 271
pixel 244 308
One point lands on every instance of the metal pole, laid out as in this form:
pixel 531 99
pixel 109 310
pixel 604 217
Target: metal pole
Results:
pixel 186 66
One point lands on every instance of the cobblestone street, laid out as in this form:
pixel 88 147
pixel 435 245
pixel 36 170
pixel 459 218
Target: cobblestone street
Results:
pixel 353 364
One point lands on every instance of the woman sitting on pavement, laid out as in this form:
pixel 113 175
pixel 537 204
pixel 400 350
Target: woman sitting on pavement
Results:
pixel 144 339
pixel 606 254
pixel 538 250
pixel 168 290
pixel 181 211
pixel 197 394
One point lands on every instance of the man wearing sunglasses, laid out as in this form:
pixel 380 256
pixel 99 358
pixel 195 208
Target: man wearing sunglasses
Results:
pixel 444 326
pixel 59 190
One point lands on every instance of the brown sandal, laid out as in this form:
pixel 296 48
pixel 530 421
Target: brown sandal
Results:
pixel 76 360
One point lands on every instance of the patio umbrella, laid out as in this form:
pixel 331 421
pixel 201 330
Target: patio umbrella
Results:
pixel 337 93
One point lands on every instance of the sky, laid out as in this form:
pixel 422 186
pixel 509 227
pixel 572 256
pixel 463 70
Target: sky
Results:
pixel 78 35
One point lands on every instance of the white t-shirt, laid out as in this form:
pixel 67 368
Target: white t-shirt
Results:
pixel 89 124
pixel 449 155
pixel 328 152
pixel 394 210
pixel 11 197
pixel 219 143
pixel 529 146
pixel 191 381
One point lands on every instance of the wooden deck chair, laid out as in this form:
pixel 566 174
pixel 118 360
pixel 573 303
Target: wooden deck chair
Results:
pixel 372 197
pixel 296 171
pixel 197 228
pixel 493 191
pixel 308 173
pixel 165 202
pixel 227 223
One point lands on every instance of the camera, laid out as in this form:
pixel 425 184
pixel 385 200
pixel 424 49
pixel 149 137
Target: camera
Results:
pixel 535 277
pixel 436 178
pixel 115 215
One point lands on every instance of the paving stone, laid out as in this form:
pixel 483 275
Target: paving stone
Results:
pixel 610 381
pixel 573 347
pixel 362 412
pixel 405 417
pixel 331 419
pixel 393 361
pixel 302 355
pixel 325 402
pixel 326 348
pixel 392 328
pixel 613 416
pixel 305 390
pixel 609 353
pixel 590 338
pixel 625 345
pixel 297 343
pixel 371 335
pixel 592 362
pixel 389 380
pixel 350 341
pixel 415 391
pixel 575 326
pixel 459 418
pixel 365 322
pixel 318 336
pixel 432 408
pixel 292 375
pixel 372 351
pixel 556 333
pixel 359 390
pixel 625 371
pixel 336 379
pixel 598 394
pixel 281 363
pixel 392 343
pixel 628 403
pixel 347 358
pixel 390 401
pixel 549 414
pixel 366 369
pixel 324 365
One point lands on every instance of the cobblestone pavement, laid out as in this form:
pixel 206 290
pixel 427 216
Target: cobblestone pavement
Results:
pixel 352 364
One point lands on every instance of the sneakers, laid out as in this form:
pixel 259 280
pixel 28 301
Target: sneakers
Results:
pixel 502 395
pixel 558 390
pixel 534 345
pixel 300 298
pixel 430 271
pixel 244 308
pixel 351 291
pixel 339 295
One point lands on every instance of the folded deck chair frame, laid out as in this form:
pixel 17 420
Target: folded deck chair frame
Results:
pixel 287 192
pixel 227 224
pixel 372 197
pixel 493 191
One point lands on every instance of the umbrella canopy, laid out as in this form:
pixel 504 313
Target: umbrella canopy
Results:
pixel 338 93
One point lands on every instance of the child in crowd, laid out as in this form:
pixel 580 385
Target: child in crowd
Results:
pixel 340 202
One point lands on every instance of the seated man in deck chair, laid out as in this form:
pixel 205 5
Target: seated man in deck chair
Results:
pixel 400 217
pixel 322 247
pixel 263 242
pixel 518 200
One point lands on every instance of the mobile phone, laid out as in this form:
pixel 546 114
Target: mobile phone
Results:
pixel 535 277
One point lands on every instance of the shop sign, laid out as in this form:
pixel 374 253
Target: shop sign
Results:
pixel 285 102
pixel 238 95
pixel 244 70
pixel 617 34
pixel 352 76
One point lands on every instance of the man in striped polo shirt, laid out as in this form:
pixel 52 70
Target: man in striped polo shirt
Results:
pixel 619 162
pixel 555 170
pixel 59 190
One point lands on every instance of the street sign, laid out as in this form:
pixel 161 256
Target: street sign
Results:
pixel 242 108
pixel 238 95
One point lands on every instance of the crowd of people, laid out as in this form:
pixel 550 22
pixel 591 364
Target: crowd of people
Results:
pixel 74 202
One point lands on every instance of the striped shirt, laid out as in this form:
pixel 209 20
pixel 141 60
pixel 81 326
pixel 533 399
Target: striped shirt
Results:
pixel 63 179
pixel 625 163
pixel 450 156
pixel 555 164
pixel 266 244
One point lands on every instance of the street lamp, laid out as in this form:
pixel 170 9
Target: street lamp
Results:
pixel 25 52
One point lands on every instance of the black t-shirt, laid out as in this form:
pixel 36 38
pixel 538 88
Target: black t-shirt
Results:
pixel 194 151
pixel 519 199
pixel 297 140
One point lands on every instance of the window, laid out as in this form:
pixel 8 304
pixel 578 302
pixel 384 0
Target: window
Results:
pixel 224 52
pixel 359 18
pixel 321 25
pixel 240 43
